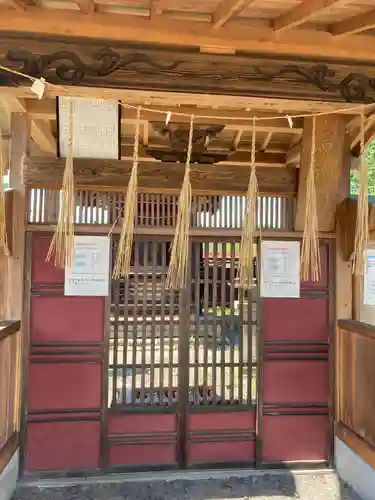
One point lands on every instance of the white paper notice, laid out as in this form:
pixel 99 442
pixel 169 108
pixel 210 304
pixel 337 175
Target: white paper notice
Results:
pixel 369 278
pixel 280 269
pixel 89 275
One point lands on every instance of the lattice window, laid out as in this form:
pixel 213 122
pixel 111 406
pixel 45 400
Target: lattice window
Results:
pixel 147 352
pixel 160 210
pixel 144 344
pixel 222 353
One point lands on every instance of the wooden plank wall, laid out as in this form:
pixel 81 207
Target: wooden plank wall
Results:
pixel 355 382
pixel 9 333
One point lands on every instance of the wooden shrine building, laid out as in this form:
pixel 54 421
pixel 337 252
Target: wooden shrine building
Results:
pixel 210 375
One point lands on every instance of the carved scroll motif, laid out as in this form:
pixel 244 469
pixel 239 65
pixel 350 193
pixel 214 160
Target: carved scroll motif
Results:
pixel 67 67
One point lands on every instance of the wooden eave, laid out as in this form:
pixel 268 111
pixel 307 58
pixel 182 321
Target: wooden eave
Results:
pixel 316 28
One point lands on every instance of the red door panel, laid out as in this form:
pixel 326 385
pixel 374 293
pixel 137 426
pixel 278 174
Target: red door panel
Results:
pixel 299 320
pixel 56 318
pixel 63 445
pixel 295 382
pixel 295 422
pixel 295 438
pixel 54 386
pixel 65 373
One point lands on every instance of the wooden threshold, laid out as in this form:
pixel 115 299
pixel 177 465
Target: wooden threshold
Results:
pixel 357 444
pixel 8 450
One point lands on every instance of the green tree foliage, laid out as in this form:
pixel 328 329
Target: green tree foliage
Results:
pixel 371 172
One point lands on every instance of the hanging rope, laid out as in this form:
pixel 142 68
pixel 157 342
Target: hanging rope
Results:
pixel 178 266
pixel 124 251
pixel 63 243
pixel 247 251
pixel 3 229
pixel 310 255
pixel 362 225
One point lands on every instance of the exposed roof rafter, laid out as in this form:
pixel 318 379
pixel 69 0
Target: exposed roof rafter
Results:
pixel 20 5
pixel 41 133
pixel 160 30
pixel 303 12
pixel 355 24
pixel 226 10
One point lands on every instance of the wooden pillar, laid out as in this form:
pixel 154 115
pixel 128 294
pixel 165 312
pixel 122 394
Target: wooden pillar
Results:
pixel 18 149
pixel 12 267
pixel 332 161
pixel 332 164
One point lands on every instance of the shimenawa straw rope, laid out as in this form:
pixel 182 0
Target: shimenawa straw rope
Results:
pixel 362 225
pixel 247 254
pixel 310 254
pixel 3 229
pixel 63 241
pixel 310 250
pixel 125 247
pixel 178 266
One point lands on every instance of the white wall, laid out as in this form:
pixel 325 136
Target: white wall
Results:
pixel 354 471
pixel 8 478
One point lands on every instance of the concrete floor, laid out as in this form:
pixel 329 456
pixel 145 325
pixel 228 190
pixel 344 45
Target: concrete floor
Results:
pixel 273 486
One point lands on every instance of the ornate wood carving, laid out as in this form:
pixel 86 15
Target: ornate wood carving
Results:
pixel 178 138
pixel 150 68
pixel 115 174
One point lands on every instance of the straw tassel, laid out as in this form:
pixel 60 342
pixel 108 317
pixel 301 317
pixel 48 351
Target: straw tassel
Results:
pixel 3 229
pixel 124 251
pixel 63 242
pixel 362 226
pixel 247 254
pixel 310 254
pixel 177 271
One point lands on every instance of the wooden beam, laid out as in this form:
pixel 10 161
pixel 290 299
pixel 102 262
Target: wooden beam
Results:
pixel 267 107
pixel 41 133
pixel 86 6
pixel 115 174
pixel 225 11
pixel 354 25
pixel 303 12
pixel 332 161
pixel 121 28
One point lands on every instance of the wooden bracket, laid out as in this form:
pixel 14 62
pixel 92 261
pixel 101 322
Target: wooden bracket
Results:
pixel 346 218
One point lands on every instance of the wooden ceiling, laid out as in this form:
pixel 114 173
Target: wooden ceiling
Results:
pixel 278 144
pixel 324 28
pixel 275 139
